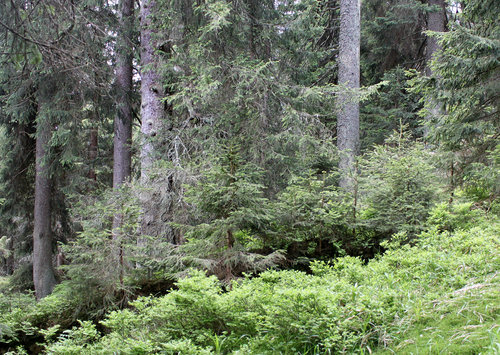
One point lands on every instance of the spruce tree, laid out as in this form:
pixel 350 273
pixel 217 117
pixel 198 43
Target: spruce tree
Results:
pixel 465 81
pixel 153 116
pixel 55 47
pixel 436 22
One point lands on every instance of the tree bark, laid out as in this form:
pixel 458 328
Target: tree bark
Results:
pixel 436 22
pixel 122 140
pixel 43 271
pixel 151 89
pixel 347 102
pixel 153 115
pixel 93 151
pixel 123 119
pixel 252 9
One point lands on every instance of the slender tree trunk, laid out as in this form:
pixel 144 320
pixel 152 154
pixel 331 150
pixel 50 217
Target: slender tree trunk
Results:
pixel 9 261
pixel 347 102
pixel 123 119
pixel 43 271
pixel 252 9
pixel 122 158
pixel 93 151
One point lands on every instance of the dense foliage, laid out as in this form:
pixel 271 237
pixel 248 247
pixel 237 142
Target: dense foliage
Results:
pixel 175 167
pixel 439 291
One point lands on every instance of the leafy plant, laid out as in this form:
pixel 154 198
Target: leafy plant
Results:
pixel 454 216
pixel 14 325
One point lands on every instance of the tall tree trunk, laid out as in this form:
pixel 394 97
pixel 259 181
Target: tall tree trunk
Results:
pixel 436 21
pixel 347 102
pixel 152 115
pixel 151 89
pixel 43 271
pixel 123 119
pixel 252 14
pixel 122 158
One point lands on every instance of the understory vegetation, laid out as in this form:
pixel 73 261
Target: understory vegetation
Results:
pixel 438 295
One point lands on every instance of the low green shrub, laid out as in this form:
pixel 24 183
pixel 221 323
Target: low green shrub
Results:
pixel 344 307
pixel 24 321
pixel 459 215
pixel 14 325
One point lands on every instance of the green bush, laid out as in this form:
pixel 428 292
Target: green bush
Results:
pixel 23 320
pixel 14 325
pixel 461 215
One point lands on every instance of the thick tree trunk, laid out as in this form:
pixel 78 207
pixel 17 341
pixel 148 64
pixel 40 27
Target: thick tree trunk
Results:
pixel 347 102
pixel 153 114
pixel 123 119
pixel 151 89
pixel 43 271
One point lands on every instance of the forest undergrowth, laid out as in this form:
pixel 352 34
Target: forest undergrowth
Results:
pixel 437 296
